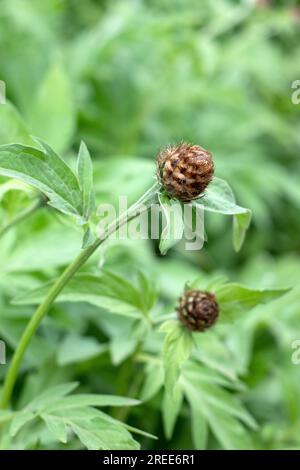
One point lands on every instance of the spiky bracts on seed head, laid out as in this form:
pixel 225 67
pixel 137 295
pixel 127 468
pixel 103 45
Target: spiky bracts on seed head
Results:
pixel 198 310
pixel 185 171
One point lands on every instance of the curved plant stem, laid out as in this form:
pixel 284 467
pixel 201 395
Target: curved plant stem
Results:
pixel 142 205
pixel 40 202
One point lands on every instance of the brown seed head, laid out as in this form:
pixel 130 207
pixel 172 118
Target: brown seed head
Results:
pixel 185 171
pixel 198 310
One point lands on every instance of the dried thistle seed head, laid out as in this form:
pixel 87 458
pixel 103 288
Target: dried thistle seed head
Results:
pixel 198 310
pixel 185 171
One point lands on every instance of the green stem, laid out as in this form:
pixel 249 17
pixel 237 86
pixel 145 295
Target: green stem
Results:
pixel 142 205
pixel 40 202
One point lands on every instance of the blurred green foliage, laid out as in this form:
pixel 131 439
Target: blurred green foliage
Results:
pixel 129 77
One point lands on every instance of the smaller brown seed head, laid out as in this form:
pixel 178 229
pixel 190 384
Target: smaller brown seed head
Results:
pixel 198 310
pixel 185 171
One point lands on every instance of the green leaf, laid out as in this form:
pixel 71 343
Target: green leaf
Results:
pixel 218 397
pixel 177 348
pixel 5 415
pixel 235 299
pixel 83 400
pixel 45 171
pixel 88 236
pixel 85 177
pixel 101 435
pixel 121 346
pixel 57 427
pixel 171 407
pixel 241 224
pixel 95 429
pixel 148 292
pixel 140 432
pixel 48 244
pixel 213 352
pixel 173 225
pixel 199 427
pixel 209 385
pixel 106 290
pixel 89 438
pixel 77 349
pixel 229 431
pixel 20 420
pixel 154 380
pixel 222 410
pixel 53 394
pixel 13 128
pixel 14 185
pixel 51 113
pixel 218 197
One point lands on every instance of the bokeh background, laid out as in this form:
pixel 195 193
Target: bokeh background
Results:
pixel 130 77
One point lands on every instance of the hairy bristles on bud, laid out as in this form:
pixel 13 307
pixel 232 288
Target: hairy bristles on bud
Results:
pixel 184 171
pixel 198 310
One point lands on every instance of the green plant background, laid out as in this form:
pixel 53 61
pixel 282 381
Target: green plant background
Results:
pixel 130 77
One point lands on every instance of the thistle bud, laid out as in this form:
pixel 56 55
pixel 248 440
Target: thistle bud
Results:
pixel 198 310
pixel 185 171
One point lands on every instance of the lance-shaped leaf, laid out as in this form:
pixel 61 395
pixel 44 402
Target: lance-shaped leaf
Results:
pixel 173 226
pixel 218 197
pixel 235 299
pixel 61 411
pixel 176 350
pixel 47 172
pixel 106 290
pixel 85 177
pixel 13 128
pixel 215 407
pixel 52 113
